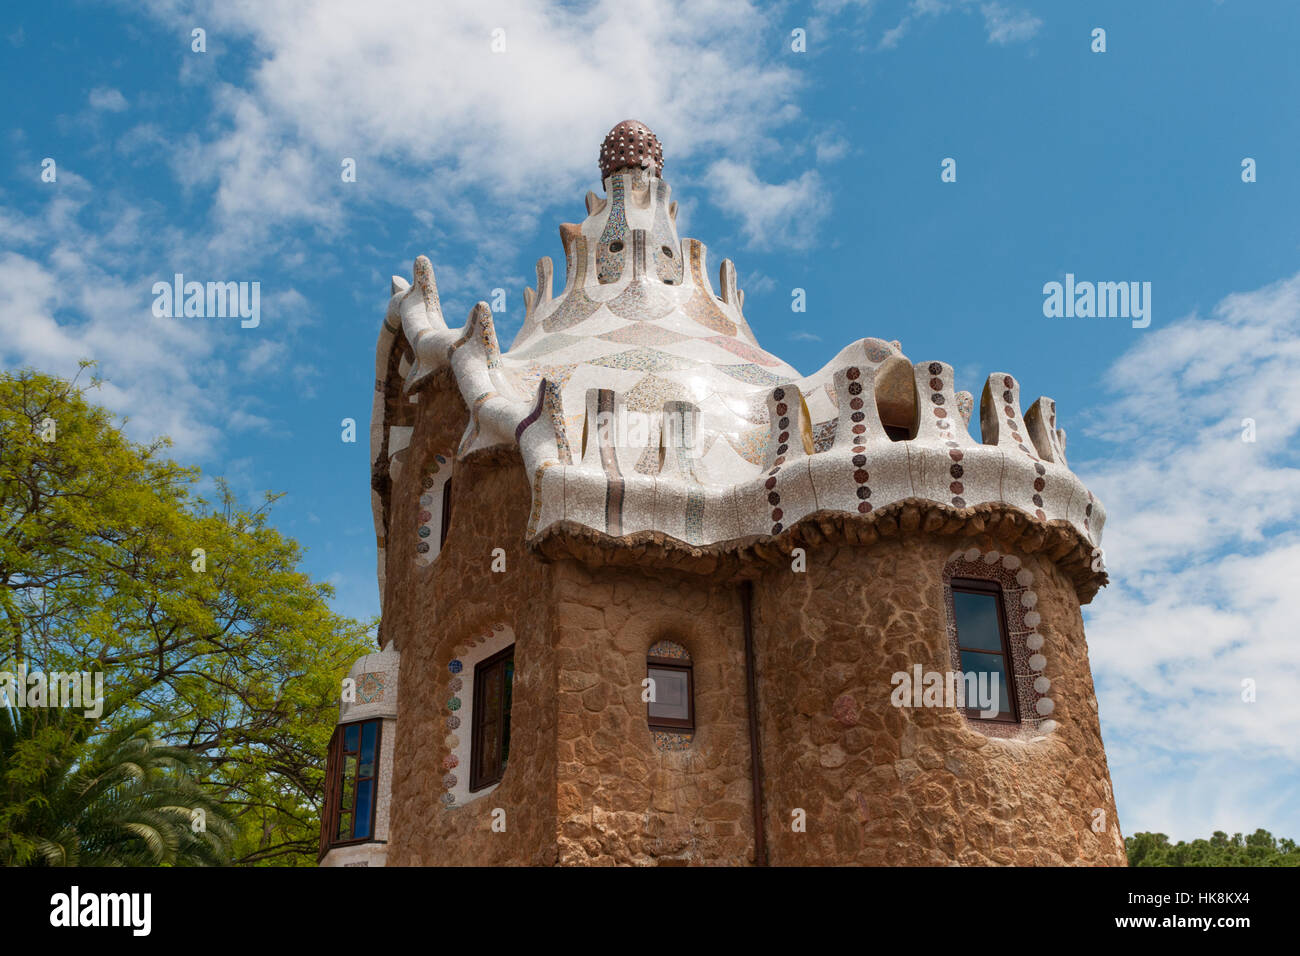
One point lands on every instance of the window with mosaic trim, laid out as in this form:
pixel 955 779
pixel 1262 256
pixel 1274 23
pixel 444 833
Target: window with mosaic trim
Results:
pixel 671 705
pixel 983 644
pixel 493 696
pixel 434 518
pixel 352 782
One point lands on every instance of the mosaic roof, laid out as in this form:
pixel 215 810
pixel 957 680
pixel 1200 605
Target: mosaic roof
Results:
pixel 640 399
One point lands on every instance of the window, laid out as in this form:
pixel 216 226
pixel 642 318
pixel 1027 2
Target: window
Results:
pixel 982 642
pixel 352 772
pixel 435 508
pixel 493 692
pixel 673 703
pixel 445 523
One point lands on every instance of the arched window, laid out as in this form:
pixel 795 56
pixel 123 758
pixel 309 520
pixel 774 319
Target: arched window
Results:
pixel 434 518
pixel 493 694
pixel 479 695
pixel 979 618
pixel 671 703
pixel 993 634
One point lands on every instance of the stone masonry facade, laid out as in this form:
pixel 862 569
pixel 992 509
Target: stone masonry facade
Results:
pixel 585 784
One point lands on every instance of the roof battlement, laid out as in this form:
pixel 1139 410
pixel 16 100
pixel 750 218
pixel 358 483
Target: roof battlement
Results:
pixel 641 401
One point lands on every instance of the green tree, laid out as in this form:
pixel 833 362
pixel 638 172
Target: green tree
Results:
pixel 123 799
pixel 1260 848
pixel 196 613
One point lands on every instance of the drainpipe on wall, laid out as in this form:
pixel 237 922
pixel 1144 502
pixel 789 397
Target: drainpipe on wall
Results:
pixel 755 756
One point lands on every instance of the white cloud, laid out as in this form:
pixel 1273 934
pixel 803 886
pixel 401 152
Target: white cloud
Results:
pixel 757 283
pixel 1002 25
pixel 1008 26
pixel 1202 546
pixel 146 361
pixel 107 99
pixel 894 35
pixel 771 214
pixel 77 284
pixel 830 147
pixel 430 113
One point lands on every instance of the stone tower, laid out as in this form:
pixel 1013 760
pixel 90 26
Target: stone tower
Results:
pixel 650 596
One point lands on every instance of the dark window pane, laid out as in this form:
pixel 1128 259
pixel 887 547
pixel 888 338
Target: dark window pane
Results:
pixel 493 697
pixel 509 681
pixel 352 788
pixel 671 698
pixel 492 689
pixel 365 791
pixel 989 665
pixel 368 734
pixel 977 620
pixel 444 522
pixel 349 782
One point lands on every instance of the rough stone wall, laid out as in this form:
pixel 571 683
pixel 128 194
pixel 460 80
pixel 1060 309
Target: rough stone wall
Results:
pixel 621 800
pixel 886 785
pixel 432 610
pixel 585 783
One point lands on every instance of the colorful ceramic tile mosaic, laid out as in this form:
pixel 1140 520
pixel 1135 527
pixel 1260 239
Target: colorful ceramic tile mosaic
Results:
pixel 645 360
pixel 669 741
pixel 370 688
pixel 640 301
pixel 545 346
pixel 669 650
pixel 612 246
pixel 643 335
pixel 576 306
pixel 824 434
pixel 666 250
pixel 638 319
pixel 702 306
pixel 753 374
pixel 649 394
pixel 751 445
pixel 750 353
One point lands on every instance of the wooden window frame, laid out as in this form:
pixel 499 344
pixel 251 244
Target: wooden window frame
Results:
pixel 481 669
pixel 674 724
pixel 993 588
pixel 334 764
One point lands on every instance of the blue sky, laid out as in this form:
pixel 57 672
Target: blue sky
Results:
pixel 817 170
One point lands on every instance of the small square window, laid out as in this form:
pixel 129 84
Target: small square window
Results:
pixel 673 706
